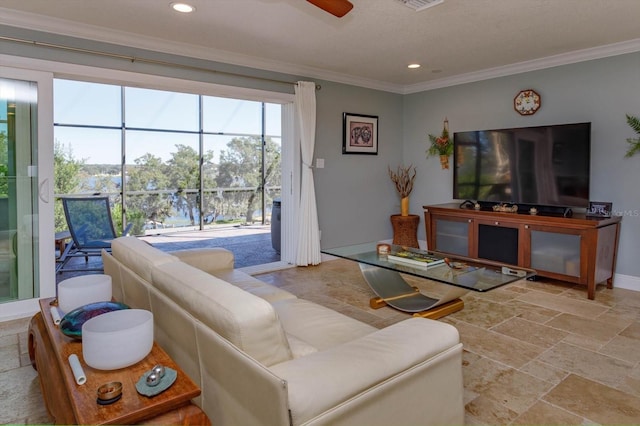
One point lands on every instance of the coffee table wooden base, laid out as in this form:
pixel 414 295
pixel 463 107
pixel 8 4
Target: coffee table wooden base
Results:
pixel 442 310
pixel 433 313
pixel 392 290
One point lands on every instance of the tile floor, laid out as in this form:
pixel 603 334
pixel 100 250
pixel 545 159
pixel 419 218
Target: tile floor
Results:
pixel 535 352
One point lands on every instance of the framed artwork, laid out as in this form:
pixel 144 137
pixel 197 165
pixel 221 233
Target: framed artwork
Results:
pixel 599 209
pixel 360 134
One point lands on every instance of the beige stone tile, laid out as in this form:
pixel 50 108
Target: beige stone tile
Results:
pixel 595 401
pixel 509 387
pixel 479 375
pixel 23 342
pixel 603 295
pixel 530 332
pixel 8 340
pixel 516 287
pixel 14 326
pixel 544 371
pixel 469 358
pixel 21 397
pixel 625 297
pixel 499 295
pixel 584 342
pixel 586 363
pixel 621 313
pixel 496 346
pixel 469 395
pixel 483 410
pixel 630 385
pixel 542 413
pixel 9 357
pixel 484 313
pixel 632 331
pixel 615 321
pixel 623 348
pixel 583 308
pixel 545 286
pixel 24 360
pixel 597 330
pixel 533 313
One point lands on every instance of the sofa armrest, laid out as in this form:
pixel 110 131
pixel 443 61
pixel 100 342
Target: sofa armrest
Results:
pixel 206 259
pixel 407 373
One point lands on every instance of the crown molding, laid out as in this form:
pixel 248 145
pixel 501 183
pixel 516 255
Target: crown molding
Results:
pixel 615 49
pixel 73 29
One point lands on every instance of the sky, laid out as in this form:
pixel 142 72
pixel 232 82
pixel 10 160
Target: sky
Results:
pixel 93 104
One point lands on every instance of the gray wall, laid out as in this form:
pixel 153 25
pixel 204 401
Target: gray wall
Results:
pixel 599 91
pixel 354 193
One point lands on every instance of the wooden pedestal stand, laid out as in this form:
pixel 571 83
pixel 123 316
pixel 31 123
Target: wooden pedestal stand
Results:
pixel 70 403
pixel 405 230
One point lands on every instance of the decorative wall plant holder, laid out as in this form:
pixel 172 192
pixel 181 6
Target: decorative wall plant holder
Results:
pixel 441 146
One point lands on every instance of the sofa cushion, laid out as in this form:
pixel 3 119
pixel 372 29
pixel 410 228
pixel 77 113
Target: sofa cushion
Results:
pixel 320 327
pixel 368 367
pixel 139 256
pixel 247 321
pixel 206 259
pixel 240 279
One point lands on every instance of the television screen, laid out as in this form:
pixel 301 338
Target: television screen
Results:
pixel 545 165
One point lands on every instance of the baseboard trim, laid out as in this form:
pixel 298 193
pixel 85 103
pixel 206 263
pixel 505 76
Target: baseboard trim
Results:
pixel 19 309
pixel 628 282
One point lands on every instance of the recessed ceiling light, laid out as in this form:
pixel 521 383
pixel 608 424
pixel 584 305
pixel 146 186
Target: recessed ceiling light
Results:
pixel 413 66
pixel 182 7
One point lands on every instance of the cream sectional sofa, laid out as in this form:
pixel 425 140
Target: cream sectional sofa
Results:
pixel 263 356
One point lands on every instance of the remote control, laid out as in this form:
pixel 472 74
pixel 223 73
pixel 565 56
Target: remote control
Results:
pixel 515 272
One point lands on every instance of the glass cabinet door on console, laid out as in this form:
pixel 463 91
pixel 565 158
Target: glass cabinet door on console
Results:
pixel 452 236
pixel 555 252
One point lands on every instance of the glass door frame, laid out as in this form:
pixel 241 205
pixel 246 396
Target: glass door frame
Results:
pixel 43 171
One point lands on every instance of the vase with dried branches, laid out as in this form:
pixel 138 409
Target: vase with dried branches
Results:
pixel 403 178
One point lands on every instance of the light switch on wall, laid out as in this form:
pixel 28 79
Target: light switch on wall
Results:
pixel 319 163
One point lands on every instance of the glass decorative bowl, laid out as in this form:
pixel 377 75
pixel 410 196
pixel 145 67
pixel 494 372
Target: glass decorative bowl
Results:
pixel 71 324
pixel 82 290
pixel 117 339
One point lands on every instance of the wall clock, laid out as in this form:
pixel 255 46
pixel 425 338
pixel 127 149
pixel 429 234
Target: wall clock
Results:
pixel 527 102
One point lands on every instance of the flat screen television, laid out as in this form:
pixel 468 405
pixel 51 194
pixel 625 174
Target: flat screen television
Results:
pixel 537 166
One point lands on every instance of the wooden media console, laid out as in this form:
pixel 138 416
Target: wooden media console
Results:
pixel 577 249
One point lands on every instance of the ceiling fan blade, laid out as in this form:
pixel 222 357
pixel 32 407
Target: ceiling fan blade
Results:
pixel 337 8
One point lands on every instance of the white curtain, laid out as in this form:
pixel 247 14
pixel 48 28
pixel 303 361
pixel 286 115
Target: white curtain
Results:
pixel 308 244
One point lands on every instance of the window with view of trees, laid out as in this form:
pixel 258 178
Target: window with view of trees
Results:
pixel 166 159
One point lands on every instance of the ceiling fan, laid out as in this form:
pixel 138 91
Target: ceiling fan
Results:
pixel 337 8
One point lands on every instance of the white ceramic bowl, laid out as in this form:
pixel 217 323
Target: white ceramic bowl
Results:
pixel 117 339
pixel 82 290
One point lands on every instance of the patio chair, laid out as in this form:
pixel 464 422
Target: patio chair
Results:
pixel 91 227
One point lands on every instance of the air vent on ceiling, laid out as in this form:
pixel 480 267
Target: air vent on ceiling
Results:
pixel 419 5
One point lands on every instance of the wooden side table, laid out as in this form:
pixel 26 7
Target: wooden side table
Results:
pixel 70 403
pixel 405 230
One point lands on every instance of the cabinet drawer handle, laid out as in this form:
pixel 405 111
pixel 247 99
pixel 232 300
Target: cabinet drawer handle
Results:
pixel 526 227
pixel 469 220
pixel 497 223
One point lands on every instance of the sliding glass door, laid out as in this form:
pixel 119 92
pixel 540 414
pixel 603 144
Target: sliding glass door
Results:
pixel 19 266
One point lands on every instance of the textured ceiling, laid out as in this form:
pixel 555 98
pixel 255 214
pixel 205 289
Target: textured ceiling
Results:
pixel 372 45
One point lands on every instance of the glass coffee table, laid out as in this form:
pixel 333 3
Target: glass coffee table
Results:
pixel 383 272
